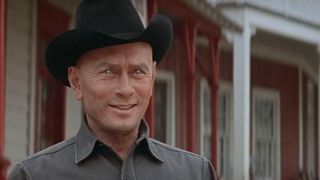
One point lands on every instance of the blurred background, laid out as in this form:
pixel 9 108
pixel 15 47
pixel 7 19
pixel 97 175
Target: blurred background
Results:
pixel 239 85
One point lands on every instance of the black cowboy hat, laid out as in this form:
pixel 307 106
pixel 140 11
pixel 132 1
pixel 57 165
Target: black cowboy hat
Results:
pixel 101 23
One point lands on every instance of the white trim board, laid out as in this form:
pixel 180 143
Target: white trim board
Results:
pixel 249 17
pixel 169 78
pixel 300 120
pixel 32 79
pixel 274 95
pixel 272 54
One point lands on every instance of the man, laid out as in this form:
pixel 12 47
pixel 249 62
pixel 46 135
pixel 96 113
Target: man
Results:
pixel 109 60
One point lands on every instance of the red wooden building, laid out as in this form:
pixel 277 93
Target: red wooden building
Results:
pixel 48 109
pixel 187 62
pixel 197 95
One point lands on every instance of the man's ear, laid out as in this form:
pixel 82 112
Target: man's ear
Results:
pixel 73 77
pixel 154 71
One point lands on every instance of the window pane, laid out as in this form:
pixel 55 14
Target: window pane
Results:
pixel 265 137
pixel 224 115
pixel 207 123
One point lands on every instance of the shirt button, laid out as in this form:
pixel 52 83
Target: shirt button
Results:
pixel 101 144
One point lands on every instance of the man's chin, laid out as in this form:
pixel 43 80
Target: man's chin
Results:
pixel 124 126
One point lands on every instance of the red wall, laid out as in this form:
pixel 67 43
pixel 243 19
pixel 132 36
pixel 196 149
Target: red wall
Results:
pixel 285 79
pixel 3 15
pixel 175 62
pixel 226 66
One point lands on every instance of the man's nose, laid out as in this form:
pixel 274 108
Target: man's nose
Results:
pixel 125 88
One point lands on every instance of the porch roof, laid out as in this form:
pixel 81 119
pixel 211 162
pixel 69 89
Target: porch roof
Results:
pixel 201 12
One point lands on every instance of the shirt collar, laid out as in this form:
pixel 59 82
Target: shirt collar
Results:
pixel 144 135
pixel 85 142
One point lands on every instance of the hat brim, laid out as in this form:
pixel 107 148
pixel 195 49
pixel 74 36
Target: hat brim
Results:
pixel 65 50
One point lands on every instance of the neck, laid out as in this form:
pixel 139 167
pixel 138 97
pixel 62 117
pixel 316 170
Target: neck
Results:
pixel 120 142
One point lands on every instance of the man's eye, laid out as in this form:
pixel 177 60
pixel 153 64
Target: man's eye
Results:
pixel 108 72
pixel 138 71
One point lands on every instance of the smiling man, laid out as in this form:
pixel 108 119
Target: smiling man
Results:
pixel 109 60
pixel 115 84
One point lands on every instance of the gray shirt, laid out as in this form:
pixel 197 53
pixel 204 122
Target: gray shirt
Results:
pixel 84 157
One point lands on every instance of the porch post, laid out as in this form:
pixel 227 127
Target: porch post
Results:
pixel 150 114
pixel 189 36
pixel 241 94
pixel 152 8
pixel 214 41
pixel 3 162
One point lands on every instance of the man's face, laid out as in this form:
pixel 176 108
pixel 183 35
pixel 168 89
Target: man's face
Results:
pixel 115 84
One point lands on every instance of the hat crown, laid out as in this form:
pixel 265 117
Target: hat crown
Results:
pixel 103 23
pixel 109 17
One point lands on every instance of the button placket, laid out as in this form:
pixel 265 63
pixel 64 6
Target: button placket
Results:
pixel 125 177
pixel 127 171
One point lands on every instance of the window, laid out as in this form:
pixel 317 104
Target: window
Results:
pixel 50 94
pixel 310 144
pixel 225 127
pixel 265 124
pixel 165 107
pixel 205 119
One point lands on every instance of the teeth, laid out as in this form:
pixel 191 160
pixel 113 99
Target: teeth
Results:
pixel 123 107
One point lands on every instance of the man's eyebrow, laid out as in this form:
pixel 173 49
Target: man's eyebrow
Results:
pixel 141 65
pixel 104 64
pixel 108 64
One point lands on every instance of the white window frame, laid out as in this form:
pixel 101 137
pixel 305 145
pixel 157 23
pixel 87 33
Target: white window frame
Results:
pixel 301 99
pixel 33 76
pixel 227 88
pixel 273 95
pixel 204 87
pixel 169 78
pixel 310 118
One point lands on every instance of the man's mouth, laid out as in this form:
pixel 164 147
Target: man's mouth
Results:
pixel 123 107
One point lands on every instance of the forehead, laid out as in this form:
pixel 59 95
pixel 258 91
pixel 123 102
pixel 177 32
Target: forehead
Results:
pixel 139 52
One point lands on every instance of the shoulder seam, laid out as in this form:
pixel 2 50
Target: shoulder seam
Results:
pixel 25 169
pixel 202 169
pixel 175 149
pixel 71 141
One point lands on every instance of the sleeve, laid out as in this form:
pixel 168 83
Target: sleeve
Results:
pixel 19 172
pixel 208 173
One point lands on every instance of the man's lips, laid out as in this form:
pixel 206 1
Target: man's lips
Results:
pixel 122 106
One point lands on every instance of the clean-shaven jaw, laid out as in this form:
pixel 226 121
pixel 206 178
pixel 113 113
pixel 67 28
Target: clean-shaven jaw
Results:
pixel 115 85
